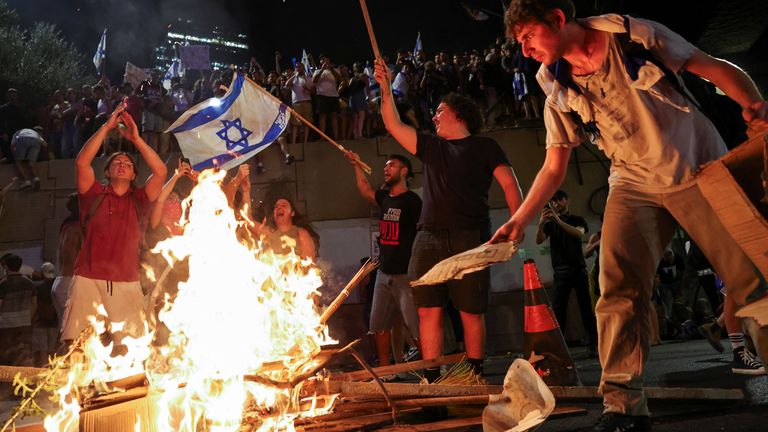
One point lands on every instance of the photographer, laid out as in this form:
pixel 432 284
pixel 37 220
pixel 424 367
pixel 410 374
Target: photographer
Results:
pixel 565 232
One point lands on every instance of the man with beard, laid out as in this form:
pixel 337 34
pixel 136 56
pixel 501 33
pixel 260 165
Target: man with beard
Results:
pixel 400 211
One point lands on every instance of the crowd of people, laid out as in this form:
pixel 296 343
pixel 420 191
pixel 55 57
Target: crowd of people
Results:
pixel 654 138
pixel 342 100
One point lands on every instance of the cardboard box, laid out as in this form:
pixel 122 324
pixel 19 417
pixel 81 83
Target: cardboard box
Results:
pixel 733 186
pixel 121 417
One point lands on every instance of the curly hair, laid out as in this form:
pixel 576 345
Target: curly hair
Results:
pixel 527 11
pixel 466 110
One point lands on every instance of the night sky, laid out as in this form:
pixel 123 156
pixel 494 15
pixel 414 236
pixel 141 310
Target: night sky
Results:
pixel 135 26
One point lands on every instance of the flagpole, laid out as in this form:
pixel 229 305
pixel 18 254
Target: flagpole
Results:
pixel 368 24
pixel 362 164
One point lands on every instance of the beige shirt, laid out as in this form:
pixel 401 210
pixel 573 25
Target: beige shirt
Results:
pixel 655 138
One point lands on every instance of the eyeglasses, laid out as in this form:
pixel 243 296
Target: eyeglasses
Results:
pixel 128 164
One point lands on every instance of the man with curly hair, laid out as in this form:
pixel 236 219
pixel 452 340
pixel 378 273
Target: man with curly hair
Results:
pixel 599 88
pixel 459 167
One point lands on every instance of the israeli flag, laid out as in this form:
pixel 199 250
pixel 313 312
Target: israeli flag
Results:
pixel 228 131
pixel 173 71
pixel 101 52
pixel 417 46
pixel 305 60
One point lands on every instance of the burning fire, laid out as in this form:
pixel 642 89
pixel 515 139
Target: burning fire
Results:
pixel 242 325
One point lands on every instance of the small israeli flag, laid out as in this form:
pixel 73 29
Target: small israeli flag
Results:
pixel 305 60
pixel 227 132
pixel 417 46
pixel 173 71
pixel 101 52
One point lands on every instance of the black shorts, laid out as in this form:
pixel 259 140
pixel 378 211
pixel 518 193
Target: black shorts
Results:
pixel 468 294
pixel 327 104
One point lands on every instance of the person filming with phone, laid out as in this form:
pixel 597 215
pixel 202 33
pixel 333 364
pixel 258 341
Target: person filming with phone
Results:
pixel 113 216
pixel 565 232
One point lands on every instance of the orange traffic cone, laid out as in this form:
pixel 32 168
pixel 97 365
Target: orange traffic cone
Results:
pixel 545 346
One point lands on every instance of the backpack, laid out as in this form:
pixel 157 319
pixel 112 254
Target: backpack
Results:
pixel 722 111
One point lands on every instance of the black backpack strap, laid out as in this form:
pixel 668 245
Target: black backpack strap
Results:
pixel 97 203
pixel 91 211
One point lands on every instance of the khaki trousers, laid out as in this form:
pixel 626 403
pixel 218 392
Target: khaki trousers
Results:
pixel 637 228
pixel 122 302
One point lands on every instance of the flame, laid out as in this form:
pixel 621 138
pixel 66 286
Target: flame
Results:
pixel 241 312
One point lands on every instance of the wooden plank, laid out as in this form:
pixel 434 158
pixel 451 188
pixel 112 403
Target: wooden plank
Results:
pixel 404 391
pixel 567 411
pixel 441 425
pixel 355 423
pixel 470 421
pixel 399 368
pixel 681 393
pixel 8 372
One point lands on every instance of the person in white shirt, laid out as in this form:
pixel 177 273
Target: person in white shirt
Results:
pixel 326 81
pixel 301 87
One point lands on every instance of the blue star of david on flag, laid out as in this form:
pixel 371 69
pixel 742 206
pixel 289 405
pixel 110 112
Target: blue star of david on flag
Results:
pixel 236 124
pixel 224 132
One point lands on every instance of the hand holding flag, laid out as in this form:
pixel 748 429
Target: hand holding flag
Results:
pixel 382 75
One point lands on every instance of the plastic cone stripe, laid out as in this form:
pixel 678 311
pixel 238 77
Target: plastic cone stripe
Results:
pixel 532 280
pixel 539 319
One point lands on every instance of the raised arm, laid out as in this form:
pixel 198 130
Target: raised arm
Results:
pixel 154 183
pixel 243 174
pixel 85 174
pixel 157 209
pixel 404 134
pixel 549 178
pixel 363 186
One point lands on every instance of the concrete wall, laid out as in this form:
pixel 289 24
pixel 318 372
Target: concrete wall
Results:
pixel 323 183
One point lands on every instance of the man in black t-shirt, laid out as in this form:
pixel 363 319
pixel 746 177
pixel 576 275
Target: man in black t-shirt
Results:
pixel 458 170
pixel 400 211
pixel 565 232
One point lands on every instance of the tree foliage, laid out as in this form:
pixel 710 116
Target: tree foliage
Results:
pixel 36 61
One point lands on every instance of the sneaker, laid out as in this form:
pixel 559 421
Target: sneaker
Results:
pixel 25 185
pixel 712 333
pixel 615 422
pixel 410 354
pixel 289 159
pixel 36 183
pixel 745 363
